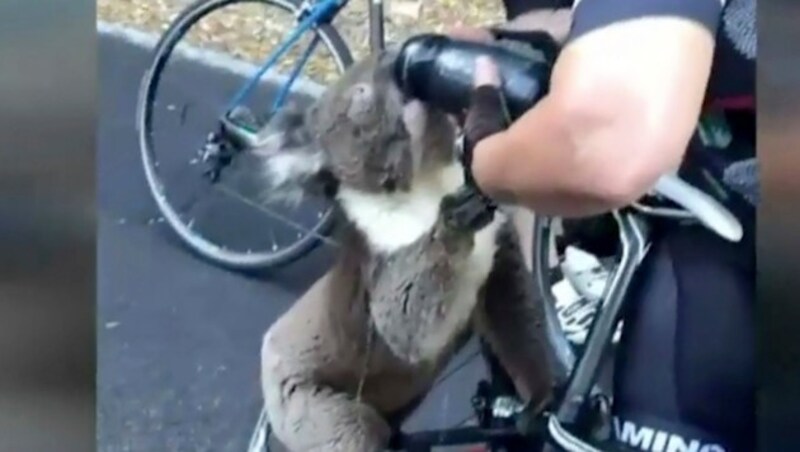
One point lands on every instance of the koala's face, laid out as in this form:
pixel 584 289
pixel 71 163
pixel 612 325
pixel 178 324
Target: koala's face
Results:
pixel 361 134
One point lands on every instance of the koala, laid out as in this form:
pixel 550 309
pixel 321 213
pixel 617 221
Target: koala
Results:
pixel 344 366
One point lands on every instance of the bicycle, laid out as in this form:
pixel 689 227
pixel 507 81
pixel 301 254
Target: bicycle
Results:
pixel 230 131
pixel 579 418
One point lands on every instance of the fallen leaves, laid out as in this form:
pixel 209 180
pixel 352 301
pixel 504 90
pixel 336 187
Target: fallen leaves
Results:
pixel 251 30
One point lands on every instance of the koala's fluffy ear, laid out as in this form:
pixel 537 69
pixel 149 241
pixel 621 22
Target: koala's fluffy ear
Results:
pixel 293 163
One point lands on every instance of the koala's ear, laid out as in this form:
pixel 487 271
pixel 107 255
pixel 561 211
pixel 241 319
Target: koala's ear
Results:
pixel 293 163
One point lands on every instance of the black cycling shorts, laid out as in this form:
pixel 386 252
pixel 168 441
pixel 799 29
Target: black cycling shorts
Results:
pixel 685 371
pixel 592 14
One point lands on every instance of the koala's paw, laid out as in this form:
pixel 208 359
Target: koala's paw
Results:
pixel 467 210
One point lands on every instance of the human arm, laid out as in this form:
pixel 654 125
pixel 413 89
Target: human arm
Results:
pixel 554 21
pixel 623 103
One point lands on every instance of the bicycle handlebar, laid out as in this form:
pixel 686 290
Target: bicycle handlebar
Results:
pixel 703 207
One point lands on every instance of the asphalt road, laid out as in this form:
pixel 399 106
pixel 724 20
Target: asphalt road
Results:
pixel 178 339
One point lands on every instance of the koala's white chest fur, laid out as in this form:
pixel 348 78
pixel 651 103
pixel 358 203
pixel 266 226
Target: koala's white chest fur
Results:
pixel 393 221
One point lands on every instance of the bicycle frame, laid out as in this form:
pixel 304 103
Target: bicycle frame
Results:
pixel 634 236
pixel 310 15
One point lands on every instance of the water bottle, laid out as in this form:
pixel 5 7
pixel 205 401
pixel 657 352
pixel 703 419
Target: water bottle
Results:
pixel 439 70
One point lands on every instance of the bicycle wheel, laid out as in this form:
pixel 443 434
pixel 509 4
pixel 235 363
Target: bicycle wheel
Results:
pixel 228 223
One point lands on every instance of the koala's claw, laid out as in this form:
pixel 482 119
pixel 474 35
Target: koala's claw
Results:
pixel 467 210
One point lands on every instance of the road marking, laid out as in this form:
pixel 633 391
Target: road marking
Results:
pixel 205 57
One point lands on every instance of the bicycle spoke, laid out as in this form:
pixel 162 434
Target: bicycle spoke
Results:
pixel 274 241
pixel 187 208
pixel 263 209
pixel 179 175
pixel 198 191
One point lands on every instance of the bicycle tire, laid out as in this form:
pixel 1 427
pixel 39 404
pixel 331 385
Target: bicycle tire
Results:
pixel 242 261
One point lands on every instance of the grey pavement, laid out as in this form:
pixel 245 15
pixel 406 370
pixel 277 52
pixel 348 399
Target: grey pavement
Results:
pixel 178 338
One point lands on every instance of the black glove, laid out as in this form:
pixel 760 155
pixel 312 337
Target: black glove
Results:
pixel 487 115
pixel 469 208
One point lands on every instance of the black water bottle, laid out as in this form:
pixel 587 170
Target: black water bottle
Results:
pixel 439 70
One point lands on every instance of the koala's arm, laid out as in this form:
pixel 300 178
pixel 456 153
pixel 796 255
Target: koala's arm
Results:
pixel 510 318
pixel 409 299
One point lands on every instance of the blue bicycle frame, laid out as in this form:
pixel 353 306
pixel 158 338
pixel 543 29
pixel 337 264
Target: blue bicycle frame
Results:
pixel 311 16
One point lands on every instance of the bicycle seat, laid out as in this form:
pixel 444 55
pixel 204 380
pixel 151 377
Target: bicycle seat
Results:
pixel 696 204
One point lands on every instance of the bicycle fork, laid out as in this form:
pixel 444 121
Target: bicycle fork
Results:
pixel 309 17
pixel 635 243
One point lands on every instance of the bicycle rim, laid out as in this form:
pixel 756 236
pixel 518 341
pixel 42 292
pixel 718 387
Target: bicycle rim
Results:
pixel 247 260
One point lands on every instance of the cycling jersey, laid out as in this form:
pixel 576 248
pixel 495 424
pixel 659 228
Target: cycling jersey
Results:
pixel 732 83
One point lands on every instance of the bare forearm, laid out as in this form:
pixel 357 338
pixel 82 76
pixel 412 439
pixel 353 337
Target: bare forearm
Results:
pixel 558 173
pixel 611 124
